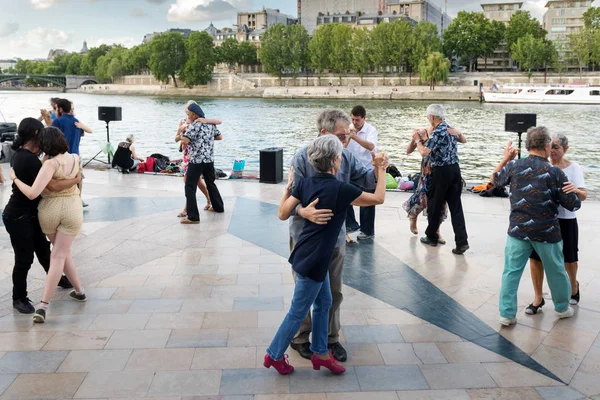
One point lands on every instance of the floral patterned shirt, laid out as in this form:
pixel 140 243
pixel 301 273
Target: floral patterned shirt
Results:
pixel 443 146
pixel 535 194
pixel 202 140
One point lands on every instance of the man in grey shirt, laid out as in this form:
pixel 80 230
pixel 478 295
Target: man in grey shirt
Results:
pixel 334 122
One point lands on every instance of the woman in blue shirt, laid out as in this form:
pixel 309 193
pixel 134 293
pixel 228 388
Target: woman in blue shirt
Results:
pixel 311 256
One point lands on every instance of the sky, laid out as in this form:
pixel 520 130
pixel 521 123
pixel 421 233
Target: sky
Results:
pixel 30 28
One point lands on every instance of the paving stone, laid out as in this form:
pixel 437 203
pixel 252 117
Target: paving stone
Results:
pixel 398 354
pixel 224 358
pixel 466 352
pixel 362 396
pixel 510 374
pixel 64 322
pixel 155 306
pixel 23 341
pixel 175 321
pixel 31 362
pixel 363 354
pixel 253 381
pixel 185 383
pixel 386 378
pixel 584 383
pixel 119 322
pixel 95 361
pixel 115 384
pixel 258 304
pixel 240 337
pixel 160 360
pixel 190 338
pixel 562 364
pixel 81 340
pixel 457 376
pixel 504 394
pixel 150 339
pixel 136 293
pixel 218 304
pixel 381 316
pixel 6 380
pixel 295 396
pixel 456 394
pixel 559 393
pixel 215 320
pixel 372 334
pixel 44 386
pixel 15 323
pixel 429 353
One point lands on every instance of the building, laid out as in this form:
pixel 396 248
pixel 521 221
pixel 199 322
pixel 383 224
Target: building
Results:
pixel 263 19
pixel 7 64
pixel 52 54
pixel 84 49
pixel 421 10
pixel 501 60
pixel 310 10
pixel 564 18
pixel 360 20
pixel 149 36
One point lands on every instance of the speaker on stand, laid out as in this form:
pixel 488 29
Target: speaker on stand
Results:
pixel 107 114
pixel 519 123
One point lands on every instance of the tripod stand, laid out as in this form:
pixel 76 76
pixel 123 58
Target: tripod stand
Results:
pixel 105 149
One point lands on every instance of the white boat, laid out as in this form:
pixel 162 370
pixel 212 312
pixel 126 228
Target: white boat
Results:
pixel 556 94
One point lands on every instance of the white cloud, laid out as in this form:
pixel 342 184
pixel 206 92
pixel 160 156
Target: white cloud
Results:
pixel 36 43
pixel 8 28
pixel 43 4
pixel 204 10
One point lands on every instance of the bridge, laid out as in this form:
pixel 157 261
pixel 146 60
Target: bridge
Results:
pixel 65 81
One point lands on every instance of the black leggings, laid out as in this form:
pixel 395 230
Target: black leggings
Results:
pixel 192 177
pixel 27 239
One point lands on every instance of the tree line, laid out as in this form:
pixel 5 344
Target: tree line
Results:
pixel 167 56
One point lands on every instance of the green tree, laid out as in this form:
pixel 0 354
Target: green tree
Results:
pixel 434 69
pixel 425 41
pixel 320 48
pixel 493 35
pixel 271 53
pixel 340 57
pixel 402 40
pixel 591 18
pixel 248 54
pixel 297 48
pixel 74 64
pixel 167 56
pixel 361 52
pixel 521 23
pixel 528 51
pixel 580 47
pixel 382 47
pixel 201 59
pixel 88 65
pixel 548 56
pixel 464 37
pixel 229 52
pixel 138 58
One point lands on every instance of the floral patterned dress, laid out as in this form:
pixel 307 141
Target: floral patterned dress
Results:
pixel 418 201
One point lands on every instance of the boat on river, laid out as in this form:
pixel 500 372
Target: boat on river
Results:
pixel 555 94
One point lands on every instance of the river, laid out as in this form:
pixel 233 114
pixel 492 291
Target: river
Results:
pixel 253 124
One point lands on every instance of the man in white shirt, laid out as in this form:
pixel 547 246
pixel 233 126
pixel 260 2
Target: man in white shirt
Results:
pixel 363 141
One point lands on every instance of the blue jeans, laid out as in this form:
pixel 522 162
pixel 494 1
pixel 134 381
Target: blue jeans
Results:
pixel 516 254
pixel 306 293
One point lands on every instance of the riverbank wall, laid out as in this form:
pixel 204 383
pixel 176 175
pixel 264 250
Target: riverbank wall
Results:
pixel 460 86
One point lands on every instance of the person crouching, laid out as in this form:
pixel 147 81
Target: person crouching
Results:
pixel 312 254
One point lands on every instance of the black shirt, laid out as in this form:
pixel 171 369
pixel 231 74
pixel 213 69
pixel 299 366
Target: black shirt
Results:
pixel 535 194
pixel 313 251
pixel 27 166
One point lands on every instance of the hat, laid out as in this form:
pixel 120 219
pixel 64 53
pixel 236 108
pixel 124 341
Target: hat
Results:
pixel 195 108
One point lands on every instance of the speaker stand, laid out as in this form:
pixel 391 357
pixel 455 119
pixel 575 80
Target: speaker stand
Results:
pixel 520 133
pixel 98 153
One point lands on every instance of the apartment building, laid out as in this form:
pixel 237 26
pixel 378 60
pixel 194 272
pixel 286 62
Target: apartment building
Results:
pixel 263 19
pixel 500 61
pixel 421 10
pixel 311 10
pixel 360 20
pixel 564 18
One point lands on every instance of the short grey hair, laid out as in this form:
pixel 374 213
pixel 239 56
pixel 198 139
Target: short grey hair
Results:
pixel 130 138
pixel 437 111
pixel 562 139
pixel 537 138
pixel 329 119
pixel 322 152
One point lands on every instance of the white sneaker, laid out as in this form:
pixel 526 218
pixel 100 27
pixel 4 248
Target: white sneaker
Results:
pixel 566 314
pixel 508 321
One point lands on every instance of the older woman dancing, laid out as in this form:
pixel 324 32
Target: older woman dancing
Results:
pixel 569 229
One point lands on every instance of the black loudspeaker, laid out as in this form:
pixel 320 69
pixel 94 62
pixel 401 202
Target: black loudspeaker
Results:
pixel 519 123
pixel 271 165
pixel 108 114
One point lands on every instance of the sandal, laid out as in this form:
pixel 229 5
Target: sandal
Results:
pixel 532 310
pixel 413 226
pixel 208 207
pixel 187 221
pixel 349 240
pixel 182 214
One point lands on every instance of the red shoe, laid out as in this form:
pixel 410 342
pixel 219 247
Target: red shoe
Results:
pixel 282 366
pixel 331 364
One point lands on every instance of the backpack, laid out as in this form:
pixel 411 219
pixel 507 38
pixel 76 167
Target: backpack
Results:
pixel 160 162
pixel 393 170
pixel 150 164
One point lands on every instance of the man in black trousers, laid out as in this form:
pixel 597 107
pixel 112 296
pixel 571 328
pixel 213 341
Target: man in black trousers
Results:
pixel 445 185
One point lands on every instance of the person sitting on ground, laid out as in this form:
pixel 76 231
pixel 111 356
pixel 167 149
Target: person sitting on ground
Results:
pixel 568 226
pixel 537 189
pixel 125 157
pixel 314 249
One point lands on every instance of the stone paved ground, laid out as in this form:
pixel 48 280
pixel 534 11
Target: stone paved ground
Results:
pixel 181 312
